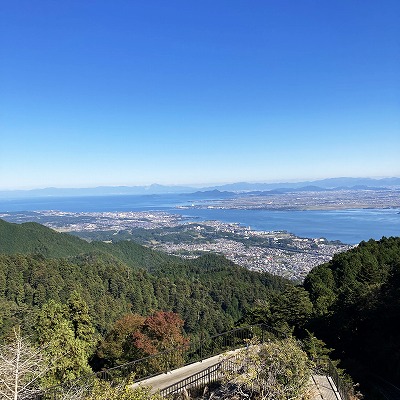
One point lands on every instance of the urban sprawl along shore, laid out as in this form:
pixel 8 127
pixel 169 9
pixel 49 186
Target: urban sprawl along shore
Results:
pixel 277 252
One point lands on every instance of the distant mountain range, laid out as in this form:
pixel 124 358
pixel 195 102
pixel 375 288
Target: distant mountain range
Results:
pixel 331 183
pixel 240 187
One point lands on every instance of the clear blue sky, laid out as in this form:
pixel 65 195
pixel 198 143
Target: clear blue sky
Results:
pixel 190 92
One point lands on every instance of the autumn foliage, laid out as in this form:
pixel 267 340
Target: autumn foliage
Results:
pixel 134 336
pixel 160 331
pixel 118 346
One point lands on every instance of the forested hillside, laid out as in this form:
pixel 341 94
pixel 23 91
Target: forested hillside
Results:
pixel 356 298
pixel 210 293
pixel 120 289
pixel 33 238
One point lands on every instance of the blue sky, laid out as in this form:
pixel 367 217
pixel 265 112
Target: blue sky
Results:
pixel 191 92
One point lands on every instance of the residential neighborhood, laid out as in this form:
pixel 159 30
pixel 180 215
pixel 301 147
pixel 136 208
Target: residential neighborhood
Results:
pixel 278 252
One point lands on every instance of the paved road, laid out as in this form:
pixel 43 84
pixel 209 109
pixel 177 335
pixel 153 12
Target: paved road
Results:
pixel 323 387
pixel 164 380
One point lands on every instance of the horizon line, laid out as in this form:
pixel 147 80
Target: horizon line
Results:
pixel 192 185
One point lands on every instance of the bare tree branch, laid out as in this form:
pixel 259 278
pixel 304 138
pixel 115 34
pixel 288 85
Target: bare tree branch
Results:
pixel 20 369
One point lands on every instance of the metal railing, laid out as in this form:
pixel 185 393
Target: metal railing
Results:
pixel 198 350
pixel 167 360
pixel 203 378
pixel 345 390
pixel 206 377
pixel 215 373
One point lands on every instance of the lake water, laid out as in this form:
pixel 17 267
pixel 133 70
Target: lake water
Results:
pixel 348 226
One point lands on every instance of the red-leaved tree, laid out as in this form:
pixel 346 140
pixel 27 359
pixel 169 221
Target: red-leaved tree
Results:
pixel 162 332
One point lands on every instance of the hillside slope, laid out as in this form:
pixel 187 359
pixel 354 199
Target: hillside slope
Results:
pixel 209 293
pixel 34 238
pixel 356 298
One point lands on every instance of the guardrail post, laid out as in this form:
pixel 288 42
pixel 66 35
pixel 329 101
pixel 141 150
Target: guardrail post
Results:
pixel 201 346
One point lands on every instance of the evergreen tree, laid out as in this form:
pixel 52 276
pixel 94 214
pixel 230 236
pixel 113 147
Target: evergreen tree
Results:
pixel 68 353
